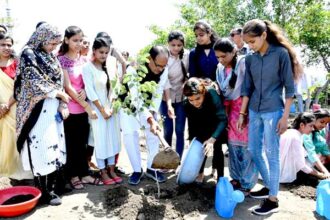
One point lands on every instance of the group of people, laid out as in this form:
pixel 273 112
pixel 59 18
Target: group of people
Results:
pixel 57 108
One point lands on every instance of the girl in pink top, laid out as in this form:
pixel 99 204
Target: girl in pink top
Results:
pixel 76 126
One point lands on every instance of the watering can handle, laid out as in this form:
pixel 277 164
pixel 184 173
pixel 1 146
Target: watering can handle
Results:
pixel 163 141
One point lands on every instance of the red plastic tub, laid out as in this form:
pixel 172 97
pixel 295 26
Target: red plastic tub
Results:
pixel 19 208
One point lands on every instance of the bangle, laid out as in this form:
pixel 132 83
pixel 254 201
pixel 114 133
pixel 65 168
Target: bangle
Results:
pixel 243 113
pixel 63 105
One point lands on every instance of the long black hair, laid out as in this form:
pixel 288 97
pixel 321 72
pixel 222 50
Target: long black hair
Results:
pixel 226 46
pixel 98 43
pixel 69 32
pixel 304 118
pixel 178 35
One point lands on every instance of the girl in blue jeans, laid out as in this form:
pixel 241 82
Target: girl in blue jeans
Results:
pixel 272 67
pixel 171 107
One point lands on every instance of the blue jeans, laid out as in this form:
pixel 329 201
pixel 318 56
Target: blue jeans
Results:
pixel 180 121
pixel 262 132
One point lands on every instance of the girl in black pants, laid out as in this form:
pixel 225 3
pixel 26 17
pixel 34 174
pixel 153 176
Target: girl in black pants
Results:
pixel 206 121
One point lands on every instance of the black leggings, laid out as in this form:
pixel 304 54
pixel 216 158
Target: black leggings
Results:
pixel 217 161
pixel 76 130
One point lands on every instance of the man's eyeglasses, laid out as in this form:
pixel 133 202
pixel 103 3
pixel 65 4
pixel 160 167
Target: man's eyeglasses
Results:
pixel 158 65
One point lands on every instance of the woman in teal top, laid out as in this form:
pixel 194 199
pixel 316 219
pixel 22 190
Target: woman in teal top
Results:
pixel 315 143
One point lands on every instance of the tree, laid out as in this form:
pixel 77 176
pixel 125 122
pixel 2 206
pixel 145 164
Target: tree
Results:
pixel 314 36
pixel 305 22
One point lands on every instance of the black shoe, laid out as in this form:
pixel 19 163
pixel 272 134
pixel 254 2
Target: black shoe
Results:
pixel 135 178
pixel 261 194
pixel 267 206
pixel 152 175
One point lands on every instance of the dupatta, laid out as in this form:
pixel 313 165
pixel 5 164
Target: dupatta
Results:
pixel 38 74
pixel 9 157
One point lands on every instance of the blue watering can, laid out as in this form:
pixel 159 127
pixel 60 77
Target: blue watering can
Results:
pixel 226 198
pixel 323 198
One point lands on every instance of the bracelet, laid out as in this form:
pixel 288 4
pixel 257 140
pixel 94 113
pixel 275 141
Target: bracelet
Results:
pixel 243 113
pixel 63 105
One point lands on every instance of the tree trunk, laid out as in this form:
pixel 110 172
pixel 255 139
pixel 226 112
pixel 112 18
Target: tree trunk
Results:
pixel 319 90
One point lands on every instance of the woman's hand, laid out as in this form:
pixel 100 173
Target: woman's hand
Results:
pixel 4 109
pixel 106 113
pixel 170 112
pixel 322 176
pixel 282 125
pixel 63 109
pixel 63 96
pixel 208 145
pixel 241 123
pixel 82 95
pixel 90 111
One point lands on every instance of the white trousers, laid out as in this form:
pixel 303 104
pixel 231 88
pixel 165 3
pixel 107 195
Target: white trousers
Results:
pixel 131 141
pixel 101 162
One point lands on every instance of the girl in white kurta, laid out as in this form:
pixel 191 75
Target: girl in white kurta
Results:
pixel 106 127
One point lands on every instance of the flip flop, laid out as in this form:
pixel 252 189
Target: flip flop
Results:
pixel 109 182
pixel 118 179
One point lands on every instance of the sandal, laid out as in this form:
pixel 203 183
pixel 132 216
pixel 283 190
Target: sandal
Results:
pixel 106 179
pixel 77 184
pixel 95 181
pixel 109 181
pixel 117 179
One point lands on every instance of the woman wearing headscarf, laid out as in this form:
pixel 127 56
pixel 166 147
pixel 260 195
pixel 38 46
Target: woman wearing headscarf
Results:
pixel 41 108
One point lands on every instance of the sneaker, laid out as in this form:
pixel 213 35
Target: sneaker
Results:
pixel 267 206
pixel 135 178
pixel 261 194
pixel 54 199
pixel 160 177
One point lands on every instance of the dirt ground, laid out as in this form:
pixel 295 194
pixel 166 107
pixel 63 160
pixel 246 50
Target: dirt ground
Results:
pixel 124 201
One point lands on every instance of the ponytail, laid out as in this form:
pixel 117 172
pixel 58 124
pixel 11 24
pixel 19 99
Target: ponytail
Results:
pixel 104 68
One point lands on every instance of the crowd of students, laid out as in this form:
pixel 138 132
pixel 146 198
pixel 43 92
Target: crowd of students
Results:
pixel 57 109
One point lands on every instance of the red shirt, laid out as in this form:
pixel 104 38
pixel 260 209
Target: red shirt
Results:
pixel 10 70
